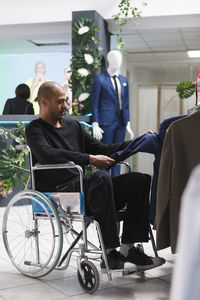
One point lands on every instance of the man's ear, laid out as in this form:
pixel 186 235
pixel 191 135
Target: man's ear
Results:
pixel 43 101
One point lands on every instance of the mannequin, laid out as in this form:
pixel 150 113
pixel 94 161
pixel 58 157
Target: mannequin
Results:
pixel 34 84
pixel 110 104
pixel 67 75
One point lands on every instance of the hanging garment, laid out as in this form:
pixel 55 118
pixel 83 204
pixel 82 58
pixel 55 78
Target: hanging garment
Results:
pixel 185 282
pixel 149 143
pixel 180 154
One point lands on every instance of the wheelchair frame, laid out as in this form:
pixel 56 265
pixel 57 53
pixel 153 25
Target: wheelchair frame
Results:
pixel 53 213
pixel 33 260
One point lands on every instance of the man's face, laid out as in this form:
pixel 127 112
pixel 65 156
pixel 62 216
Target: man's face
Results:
pixel 56 106
pixel 40 68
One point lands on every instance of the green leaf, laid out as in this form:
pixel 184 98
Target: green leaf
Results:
pixel 185 89
pixel 12 164
pixel 126 8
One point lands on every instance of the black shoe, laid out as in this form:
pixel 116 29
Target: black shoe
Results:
pixel 141 260
pixel 114 261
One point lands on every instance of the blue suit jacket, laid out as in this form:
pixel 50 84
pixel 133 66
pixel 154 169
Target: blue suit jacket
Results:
pixel 105 102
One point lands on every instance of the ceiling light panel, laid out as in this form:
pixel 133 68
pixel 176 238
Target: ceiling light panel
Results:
pixel 195 53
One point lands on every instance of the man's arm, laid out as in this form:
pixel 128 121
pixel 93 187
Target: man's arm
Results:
pixel 93 146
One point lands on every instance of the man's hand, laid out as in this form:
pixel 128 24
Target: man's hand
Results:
pixel 41 77
pixel 150 131
pixel 101 161
pixel 35 82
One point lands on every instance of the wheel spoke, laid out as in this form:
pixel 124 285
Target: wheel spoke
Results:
pixel 28 236
pixel 90 279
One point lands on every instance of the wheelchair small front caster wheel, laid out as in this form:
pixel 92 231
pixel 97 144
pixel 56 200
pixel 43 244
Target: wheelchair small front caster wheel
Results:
pixel 140 248
pixel 89 279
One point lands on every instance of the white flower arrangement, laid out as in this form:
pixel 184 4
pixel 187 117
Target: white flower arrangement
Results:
pixel 83 96
pixel 85 61
pixel 1 131
pixel 88 58
pixel 83 72
pixel 83 29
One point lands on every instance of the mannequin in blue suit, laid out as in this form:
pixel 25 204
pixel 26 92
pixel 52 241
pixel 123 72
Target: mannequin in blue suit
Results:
pixel 110 104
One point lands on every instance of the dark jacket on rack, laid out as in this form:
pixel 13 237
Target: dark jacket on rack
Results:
pixel 149 143
pixel 180 154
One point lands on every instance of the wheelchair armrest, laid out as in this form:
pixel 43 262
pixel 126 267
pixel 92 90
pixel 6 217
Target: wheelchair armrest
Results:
pixel 126 164
pixel 22 147
pixel 68 165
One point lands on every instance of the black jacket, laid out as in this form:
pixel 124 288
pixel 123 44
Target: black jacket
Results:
pixel 18 106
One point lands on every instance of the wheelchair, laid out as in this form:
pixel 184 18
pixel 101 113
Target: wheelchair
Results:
pixel 35 223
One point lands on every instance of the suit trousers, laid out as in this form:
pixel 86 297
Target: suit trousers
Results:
pixel 105 196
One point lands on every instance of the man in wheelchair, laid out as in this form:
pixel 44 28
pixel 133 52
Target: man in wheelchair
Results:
pixel 54 139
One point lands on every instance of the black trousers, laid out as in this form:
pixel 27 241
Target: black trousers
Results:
pixel 105 196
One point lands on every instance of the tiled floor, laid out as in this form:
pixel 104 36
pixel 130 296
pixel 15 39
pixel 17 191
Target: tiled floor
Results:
pixel 62 285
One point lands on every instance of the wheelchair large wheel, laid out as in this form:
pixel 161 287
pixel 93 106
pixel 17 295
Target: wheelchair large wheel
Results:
pixel 32 233
pixel 89 279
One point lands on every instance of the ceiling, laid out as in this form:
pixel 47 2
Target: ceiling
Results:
pixel 156 42
pixel 162 42
pixel 33 38
pixel 163 48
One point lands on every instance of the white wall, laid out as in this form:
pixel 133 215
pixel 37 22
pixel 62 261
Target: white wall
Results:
pixel 171 7
pixel 17 68
pixel 37 11
pixel 142 75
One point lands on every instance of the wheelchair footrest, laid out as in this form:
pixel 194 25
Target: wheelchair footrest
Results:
pixel 128 269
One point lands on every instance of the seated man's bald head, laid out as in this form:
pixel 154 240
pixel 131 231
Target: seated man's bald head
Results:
pixel 48 89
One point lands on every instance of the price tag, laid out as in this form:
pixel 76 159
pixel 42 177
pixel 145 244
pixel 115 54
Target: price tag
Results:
pixel 197 88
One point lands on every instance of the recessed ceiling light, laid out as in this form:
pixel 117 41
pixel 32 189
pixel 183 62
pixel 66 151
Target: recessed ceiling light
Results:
pixel 48 43
pixel 195 53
